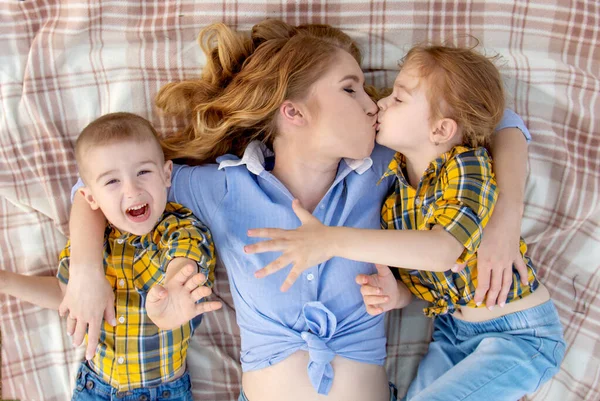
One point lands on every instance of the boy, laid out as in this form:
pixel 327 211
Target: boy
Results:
pixel 442 111
pixel 149 243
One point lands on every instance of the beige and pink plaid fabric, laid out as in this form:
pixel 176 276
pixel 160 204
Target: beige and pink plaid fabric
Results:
pixel 63 64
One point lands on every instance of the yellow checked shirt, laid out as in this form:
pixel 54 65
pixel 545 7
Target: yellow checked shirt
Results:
pixel 136 353
pixel 458 192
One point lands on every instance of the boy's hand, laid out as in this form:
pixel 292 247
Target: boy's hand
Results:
pixel 175 304
pixel 89 298
pixel 382 292
pixel 304 247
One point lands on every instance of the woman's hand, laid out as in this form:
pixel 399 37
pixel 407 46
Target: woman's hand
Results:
pixel 88 299
pixel 304 247
pixel 497 254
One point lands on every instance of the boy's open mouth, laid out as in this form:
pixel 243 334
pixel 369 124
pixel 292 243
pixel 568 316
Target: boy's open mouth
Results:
pixel 139 213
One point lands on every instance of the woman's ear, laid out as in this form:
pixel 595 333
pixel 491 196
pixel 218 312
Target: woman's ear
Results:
pixel 291 113
pixel 443 131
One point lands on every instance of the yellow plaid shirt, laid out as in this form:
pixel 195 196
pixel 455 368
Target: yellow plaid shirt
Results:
pixel 458 192
pixel 136 353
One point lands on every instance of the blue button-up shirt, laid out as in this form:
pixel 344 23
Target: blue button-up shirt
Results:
pixel 323 313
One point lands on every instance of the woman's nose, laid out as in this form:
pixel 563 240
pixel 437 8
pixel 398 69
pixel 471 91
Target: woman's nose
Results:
pixel 372 109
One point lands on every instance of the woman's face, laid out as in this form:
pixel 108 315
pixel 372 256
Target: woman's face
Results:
pixel 341 116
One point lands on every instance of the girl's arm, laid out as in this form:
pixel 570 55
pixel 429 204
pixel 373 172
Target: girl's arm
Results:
pixel 43 291
pixel 313 243
pixel 89 297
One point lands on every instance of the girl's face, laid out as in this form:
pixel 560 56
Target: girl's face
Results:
pixel 341 116
pixel 404 116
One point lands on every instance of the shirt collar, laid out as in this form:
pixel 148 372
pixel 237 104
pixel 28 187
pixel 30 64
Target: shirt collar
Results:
pixel 256 152
pixel 398 164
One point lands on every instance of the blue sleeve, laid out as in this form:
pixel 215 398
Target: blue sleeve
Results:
pixel 510 119
pixel 78 184
pixel 199 188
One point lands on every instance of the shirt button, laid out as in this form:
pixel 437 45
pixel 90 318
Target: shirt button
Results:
pixel 322 206
pixel 418 201
pixel 310 277
pixel 122 319
pixel 121 360
pixel 121 283
pixel 120 241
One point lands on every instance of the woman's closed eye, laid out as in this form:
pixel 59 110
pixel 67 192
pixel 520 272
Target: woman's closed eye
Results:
pixel 349 90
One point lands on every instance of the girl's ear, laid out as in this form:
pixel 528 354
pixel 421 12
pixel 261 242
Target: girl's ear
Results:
pixel 291 113
pixel 443 131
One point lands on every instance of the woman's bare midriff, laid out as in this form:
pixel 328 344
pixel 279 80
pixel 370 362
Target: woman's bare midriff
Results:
pixel 481 314
pixel 288 380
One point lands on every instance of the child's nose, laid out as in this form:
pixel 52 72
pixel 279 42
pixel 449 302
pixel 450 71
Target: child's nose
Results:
pixel 381 104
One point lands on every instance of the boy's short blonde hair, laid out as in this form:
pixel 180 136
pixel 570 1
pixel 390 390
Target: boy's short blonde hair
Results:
pixel 114 128
pixel 463 85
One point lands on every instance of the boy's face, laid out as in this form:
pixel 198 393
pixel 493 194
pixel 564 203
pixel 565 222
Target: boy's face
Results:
pixel 404 116
pixel 128 181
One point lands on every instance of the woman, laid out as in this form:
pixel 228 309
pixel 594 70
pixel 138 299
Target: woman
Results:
pixel 297 93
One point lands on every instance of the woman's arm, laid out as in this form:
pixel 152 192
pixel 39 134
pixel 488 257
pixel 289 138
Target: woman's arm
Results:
pixel 89 297
pixel 499 248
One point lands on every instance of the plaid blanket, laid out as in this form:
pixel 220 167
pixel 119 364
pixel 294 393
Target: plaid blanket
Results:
pixel 63 64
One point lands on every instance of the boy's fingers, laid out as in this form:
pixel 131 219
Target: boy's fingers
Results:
pixel 200 292
pixel 156 293
pixel 194 281
pixel 374 300
pixel 370 290
pixel 374 310
pixel 204 307
pixel 383 270
pixel 184 273
pixel 362 279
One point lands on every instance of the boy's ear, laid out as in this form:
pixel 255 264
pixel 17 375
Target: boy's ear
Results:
pixel 87 195
pixel 291 113
pixel 443 131
pixel 168 171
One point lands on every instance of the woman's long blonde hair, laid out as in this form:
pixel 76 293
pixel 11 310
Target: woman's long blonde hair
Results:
pixel 244 82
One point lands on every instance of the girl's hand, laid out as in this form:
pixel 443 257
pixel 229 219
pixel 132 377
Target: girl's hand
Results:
pixel 304 247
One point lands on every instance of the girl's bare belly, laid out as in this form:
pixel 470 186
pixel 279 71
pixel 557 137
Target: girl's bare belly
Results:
pixel 288 380
pixel 481 314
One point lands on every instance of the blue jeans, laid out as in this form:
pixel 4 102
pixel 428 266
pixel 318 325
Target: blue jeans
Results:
pixel 393 394
pixel 499 359
pixel 90 387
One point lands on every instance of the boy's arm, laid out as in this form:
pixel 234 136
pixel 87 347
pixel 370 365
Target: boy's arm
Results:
pixel 89 296
pixel 187 246
pixel 42 291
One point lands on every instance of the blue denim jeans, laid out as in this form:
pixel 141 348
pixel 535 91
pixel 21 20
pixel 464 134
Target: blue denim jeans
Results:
pixel 499 359
pixel 393 394
pixel 90 387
